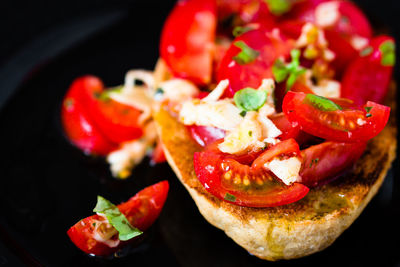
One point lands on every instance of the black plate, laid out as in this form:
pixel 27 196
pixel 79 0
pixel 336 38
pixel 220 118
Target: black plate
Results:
pixel 47 185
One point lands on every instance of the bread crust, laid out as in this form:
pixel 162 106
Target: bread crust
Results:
pixel 294 230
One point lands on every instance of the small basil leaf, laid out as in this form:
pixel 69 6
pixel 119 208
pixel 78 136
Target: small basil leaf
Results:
pixel 230 197
pixel 366 51
pixel 247 55
pixel 249 99
pixel 387 49
pixel 280 71
pixel 279 7
pixel 322 103
pixel 105 95
pixel 114 216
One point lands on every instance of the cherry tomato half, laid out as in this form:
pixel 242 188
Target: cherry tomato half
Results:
pixel 367 78
pixel 252 186
pixel 117 121
pixel 328 160
pixel 77 123
pixel 187 40
pixel 141 211
pixel 319 117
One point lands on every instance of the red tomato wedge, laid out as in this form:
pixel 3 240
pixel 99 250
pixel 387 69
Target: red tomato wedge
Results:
pixel 288 129
pixel 252 186
pixel 350 20
pixel 206 135
pixel 369 75
pixel 328 160
pixel 266 47
pixel 118 122
pixel 141 211
pixel 344 51
pixel 323 118
pixel 77 124
pixel 158 155
pixel 187 40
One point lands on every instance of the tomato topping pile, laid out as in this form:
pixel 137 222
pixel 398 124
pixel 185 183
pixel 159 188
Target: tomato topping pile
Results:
pixel 95 235
pixel 331 77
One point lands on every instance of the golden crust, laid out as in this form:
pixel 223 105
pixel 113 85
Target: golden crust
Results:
pixel 289 231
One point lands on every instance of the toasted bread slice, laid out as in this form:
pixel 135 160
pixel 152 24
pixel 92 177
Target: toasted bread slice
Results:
pixel 293 230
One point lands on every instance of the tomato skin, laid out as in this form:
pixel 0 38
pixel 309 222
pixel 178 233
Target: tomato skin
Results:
pixel 339 125
pixel 141 211
pixel 207 166
pixel 303 10
pixel 206 135
pixel 366 78
pixel 344 51
pixel 158 155
pixel 251 74
pixel 328 160
pixel 352 21
pixel 288 129
pixel 118 122
pixel 77 123
pixel 288 146
pixel 187 40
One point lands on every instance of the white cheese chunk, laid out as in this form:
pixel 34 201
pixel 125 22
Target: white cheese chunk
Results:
pixel 327 14
pixel 217 92
pixel 358 42
pixel 269 128
pixel 222 114
pixel 247 137
pixel 269 86
pixel 287 169
pixel 178 90
pixel 131 153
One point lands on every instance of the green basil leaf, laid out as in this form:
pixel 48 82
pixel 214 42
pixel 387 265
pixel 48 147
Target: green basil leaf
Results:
pixel 388 50
pixel 289 71
pixel 322 103
pixel 366 51
pixel 105 95
pixel 249 99
pixel 279 7
pixel 247 55
pixel 230 197
pixel 114 216
pixel 279 71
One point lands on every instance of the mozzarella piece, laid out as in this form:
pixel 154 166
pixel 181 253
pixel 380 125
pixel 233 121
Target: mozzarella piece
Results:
pixel 131 153
pixel 268 127
pixel 327 14
pixel 287 169
pixel 247 137
pixel 269 86
pixel 358 42
pixel 178 90
pixel 142 75
pixel 217 92
pixel 104 236
pixel 221 114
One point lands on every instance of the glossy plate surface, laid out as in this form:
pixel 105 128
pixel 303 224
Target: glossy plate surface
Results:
pixel 47 185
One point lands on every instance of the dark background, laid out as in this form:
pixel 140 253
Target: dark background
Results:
pixel 31 28
pixel 23 20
